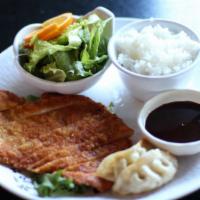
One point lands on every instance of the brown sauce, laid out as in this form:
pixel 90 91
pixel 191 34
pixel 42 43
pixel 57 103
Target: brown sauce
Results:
pixel 175 122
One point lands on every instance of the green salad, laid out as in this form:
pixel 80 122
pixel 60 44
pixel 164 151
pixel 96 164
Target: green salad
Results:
pixel 80 51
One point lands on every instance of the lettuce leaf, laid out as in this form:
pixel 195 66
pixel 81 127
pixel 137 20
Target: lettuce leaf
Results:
pixel 95 52
pixel 77 72
pixel 72 31
pixel 52 73
pixel 77 31
pixel 95 38
pixel 64 68
pixel 102 47
pixel 32 98
pixel 111 107
pixel 84 34
pixel 94 41
pixel 64 59
pixel 90 63
pixel 56 185
pixel 44 48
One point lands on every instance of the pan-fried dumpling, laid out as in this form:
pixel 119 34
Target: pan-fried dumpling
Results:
pixel 112 165
pixel 151 170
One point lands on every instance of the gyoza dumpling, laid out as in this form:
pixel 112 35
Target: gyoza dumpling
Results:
pixel 112 165
pixel 151 170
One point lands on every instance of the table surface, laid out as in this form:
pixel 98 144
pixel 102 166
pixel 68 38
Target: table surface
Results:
pixel 18 13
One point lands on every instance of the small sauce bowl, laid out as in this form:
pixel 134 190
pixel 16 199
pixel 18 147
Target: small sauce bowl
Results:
pixel 180 149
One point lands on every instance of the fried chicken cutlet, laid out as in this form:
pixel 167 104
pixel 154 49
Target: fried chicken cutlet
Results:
pixel 68 132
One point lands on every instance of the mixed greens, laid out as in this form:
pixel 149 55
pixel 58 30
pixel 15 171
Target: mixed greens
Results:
pixel 32 98
pixel 80 51
pixel 56 185
pixel 111 107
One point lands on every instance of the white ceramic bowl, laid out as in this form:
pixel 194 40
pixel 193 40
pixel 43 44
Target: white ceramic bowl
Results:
pixel 70 87
pixel 188 148
pixel 144 87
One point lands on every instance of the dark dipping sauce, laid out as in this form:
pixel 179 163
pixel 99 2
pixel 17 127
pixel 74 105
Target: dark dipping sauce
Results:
pixel 175 122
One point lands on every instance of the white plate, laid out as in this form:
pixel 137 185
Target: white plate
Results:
pixel 109 88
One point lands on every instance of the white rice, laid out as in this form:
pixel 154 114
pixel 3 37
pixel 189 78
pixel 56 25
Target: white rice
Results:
pixel 156 51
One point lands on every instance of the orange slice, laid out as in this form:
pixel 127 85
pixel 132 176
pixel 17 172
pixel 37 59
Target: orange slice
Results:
pixel 51 35
pixel 52 28
pixel 57 20
pixel 46 30
pixel 63 26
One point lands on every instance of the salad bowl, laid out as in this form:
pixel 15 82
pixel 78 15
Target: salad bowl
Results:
pixel 72 86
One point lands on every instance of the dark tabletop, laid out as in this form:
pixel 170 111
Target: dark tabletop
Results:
pixel 17 13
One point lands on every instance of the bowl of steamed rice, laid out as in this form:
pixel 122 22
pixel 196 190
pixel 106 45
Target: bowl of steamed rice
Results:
pixel 155 55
